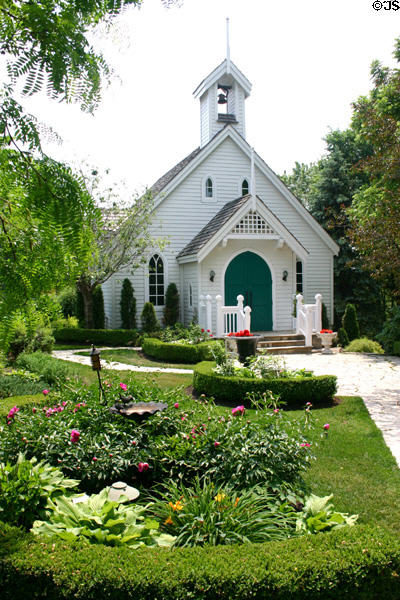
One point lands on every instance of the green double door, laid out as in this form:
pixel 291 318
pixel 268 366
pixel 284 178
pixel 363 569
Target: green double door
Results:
pixel 248 274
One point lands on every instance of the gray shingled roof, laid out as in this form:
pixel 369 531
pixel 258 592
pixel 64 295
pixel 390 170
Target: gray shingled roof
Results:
pixel 209 230
pixel 167 177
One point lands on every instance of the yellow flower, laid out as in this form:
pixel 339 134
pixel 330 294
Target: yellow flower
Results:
pixel 177 506
pixel 168 521
pixel 219 497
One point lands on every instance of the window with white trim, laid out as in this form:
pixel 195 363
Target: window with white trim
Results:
pixel 156 280
pixel 299 276
pixel 209 188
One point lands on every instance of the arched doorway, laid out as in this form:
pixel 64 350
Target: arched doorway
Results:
pixel 248 274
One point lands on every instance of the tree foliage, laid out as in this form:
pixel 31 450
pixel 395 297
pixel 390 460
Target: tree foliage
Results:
pixel 375 213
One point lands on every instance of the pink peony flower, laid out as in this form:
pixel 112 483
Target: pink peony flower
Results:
pixel 305 445
pixel 176 405
pixel 12 412
pixel 308 404
pixel 123 386
pixel 33 410
pixel 326 426
pixel 45 392
pixel 94 459
pixel 216 444
pixel 143 466
pixel 239 410
pixel 75 436
pixel 133 443
pixel 276 410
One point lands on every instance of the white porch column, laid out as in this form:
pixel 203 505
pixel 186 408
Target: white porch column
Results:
pixel 220 319
pixel 240 317
pixel 299 307
pixel 247 318
pixel 208 312
pixel 318 312
pixel 309 324
pixel 202 306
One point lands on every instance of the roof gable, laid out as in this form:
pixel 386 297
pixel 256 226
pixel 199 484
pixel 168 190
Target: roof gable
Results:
pixel 218 72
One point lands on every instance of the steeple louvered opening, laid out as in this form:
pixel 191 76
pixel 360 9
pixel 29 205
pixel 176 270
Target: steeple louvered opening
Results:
pixel 253 224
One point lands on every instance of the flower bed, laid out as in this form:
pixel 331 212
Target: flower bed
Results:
pixel 178 351
pixel 291 390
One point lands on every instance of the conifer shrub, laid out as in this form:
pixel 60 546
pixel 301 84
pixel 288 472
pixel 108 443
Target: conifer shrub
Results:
pixel 350 322
pixel 343 338
pixel 324 317
pixel 98 308
pixel 149 319
pixel 80 309
pixel 171 310
pixel 68 300
pixel 128 306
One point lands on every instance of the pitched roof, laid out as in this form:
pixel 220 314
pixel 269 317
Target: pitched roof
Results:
pixel 226 212
pixel 169 175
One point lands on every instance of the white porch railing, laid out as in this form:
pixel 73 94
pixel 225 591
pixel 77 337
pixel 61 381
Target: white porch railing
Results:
pixel 308 317
pixel 228 318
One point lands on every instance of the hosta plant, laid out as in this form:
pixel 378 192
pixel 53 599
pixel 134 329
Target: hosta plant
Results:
pixel 25 488
pixel 208 514
pixel 319 515
pixel 99 520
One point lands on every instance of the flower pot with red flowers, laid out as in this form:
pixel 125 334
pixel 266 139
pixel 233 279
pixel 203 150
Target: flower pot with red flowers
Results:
pixel 246 344
pixel 327 336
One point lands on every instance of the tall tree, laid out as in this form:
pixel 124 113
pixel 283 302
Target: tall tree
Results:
pixel 375 213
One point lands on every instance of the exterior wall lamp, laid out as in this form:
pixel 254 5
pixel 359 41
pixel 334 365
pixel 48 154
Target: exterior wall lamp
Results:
pixel 212 275
pixel 285 275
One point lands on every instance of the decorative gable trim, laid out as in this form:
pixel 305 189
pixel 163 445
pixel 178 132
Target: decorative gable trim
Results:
pixel 253 224
pixel 218 72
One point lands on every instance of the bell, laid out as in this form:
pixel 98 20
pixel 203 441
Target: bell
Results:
pixel 222 99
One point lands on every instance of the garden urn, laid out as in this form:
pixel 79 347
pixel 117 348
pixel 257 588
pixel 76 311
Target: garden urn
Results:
pixel 327 336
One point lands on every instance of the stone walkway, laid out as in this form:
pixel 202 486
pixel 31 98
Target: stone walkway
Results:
pixel 373 377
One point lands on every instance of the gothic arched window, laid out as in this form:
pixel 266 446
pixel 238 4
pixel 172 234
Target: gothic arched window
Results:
pixel 245 187
pixel 156 280
pixel 209 188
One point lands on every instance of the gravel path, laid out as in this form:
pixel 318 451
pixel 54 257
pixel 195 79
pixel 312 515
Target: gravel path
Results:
pixel 374 377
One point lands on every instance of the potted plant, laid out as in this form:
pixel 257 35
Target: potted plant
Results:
pixel 246 344
pixel 327 336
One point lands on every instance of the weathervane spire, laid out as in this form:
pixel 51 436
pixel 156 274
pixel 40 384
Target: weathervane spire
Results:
pixel 228 52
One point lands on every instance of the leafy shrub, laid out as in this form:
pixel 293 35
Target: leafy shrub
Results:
pixel 68 299
pixel 318 515
pixel 364 345
pixel 19 384
pixel 28 330
pixel 396 348
pixel 98 308
pixel 357 562
pixel 182 353
pixel 80 309
pixel 149 319
pixel 174 443
pixel 128 306
pixel 291 390
pixel 208 514
pixel 193 334
pixel 350 322
pixel 343 338
pixel 26 486
pixel 171 310
pixel 50 369
pixel 391 331
pixel 98 520
pixel 98 337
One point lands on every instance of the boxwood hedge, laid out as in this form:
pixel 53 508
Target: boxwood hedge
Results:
pixel 296 390
pixel 183 353
pixel 358 563
pixel 105 337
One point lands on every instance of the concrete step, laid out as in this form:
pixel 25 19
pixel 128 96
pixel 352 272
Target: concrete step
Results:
pixel 285 350
pixel 279 342
pixel 283 336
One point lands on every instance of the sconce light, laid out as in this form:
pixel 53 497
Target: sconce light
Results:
pixel 212 275
pixel 285 275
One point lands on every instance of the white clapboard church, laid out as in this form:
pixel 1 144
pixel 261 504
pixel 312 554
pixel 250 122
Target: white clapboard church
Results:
pixel 233 228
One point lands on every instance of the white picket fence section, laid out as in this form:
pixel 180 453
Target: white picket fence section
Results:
pixel 228 318
pixel 308 317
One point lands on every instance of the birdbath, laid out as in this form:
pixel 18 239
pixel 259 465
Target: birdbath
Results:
pixel 327 336
pixel 139 411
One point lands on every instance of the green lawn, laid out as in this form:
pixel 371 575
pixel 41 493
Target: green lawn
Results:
pixel 133 357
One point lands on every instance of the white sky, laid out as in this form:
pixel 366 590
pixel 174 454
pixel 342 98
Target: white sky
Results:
pixel 307 62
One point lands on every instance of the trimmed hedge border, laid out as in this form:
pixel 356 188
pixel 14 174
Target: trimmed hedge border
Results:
pixel 297 390
pixel 181 353
pixel 108 337
pixel 361 563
